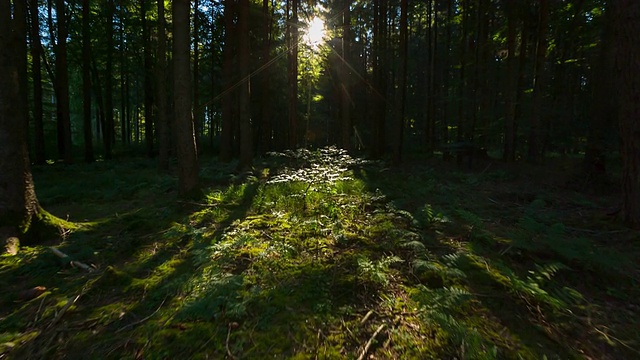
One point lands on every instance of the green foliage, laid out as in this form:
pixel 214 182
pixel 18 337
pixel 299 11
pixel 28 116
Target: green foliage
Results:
pixel 311 266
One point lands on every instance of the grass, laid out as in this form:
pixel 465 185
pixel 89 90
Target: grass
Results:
pixel 320 255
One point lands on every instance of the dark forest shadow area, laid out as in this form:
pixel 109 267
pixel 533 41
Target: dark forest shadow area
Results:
pixel 317 254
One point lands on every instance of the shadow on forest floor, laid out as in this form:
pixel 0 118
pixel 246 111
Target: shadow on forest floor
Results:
pixel 316 254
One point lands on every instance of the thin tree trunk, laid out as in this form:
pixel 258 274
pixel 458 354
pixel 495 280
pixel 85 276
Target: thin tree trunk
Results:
pixel 399 118
pixel 185 137
pixel 345 78
pixel 197 111
pixel 164 144
pixel 109 128
pixel 266 109
pixel 509 154
pixel 36 70
pixel 86 82
pixel 148 85
pixel 534 150
pixel 627 55
pixel 124 109
pixel 293 75
pixel 226 143
pixel 62 85
pixel 246 151
pixel 446 81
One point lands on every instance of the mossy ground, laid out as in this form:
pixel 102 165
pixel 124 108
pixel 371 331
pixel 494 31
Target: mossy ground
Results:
pixel 312 253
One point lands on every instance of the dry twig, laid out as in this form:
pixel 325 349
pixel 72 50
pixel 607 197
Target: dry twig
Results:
pixel 370 342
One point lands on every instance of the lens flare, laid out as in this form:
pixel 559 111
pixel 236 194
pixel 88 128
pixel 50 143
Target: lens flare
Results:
pixel 315 32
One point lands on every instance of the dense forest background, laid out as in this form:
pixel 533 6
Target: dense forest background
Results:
pixel 522 80
pixel 525 80
pixel 320 179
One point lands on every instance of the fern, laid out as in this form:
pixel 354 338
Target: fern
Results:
pixel 378 271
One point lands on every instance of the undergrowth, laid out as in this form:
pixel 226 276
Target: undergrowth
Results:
pixel 316 254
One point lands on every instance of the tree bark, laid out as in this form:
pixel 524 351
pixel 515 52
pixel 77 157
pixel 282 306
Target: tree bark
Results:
pixel 345 78
pixel 62 85
pixel 164 143
pixel 36 70
pixel 246 151
pixel 86 82
pixel 534 151
pixel 226 141
pixel 509 154
pixel 20 212
pixel 293 75
pixel 185 137
pixel 109 128
pixel 627 45
pixel 604 109
pixel 399 118
pixel 148 82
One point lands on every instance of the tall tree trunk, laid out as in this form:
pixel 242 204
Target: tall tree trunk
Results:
pixel 534 151
pixel 19 208
pixel 148 85
pixel 345 78
pixel 185 137
pixel 292 57
pixel 266 108
pixel 164 143
pixel 627 55
pixel 62 85
pixel 124 83
pixel 86 82
pixel 462 131
pixel 246 151
pixel 399 118
pixel 511 90
pixel 36 70
pixel 446 81
pixel 604 109
pixel 226 141
pixel 197 111
pixel 109 128
pixel 380 78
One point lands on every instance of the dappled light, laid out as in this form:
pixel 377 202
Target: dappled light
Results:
pixel 294 179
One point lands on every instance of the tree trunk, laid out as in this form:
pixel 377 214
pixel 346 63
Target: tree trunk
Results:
pixel 197 111
pixel 446 81
pixel 109 128
pixel 20 212
pixel 246 151
pixel 86 82
pixel 226 141
pixel 36 70
pixel 185 137
pixel 604 109
pixel 266 108
pixel 627 55
pixel 345 79
pixel 534 150
pixel 148 84
pixel 293 75
pixel 164 143
pixel 125 135
pixel 399 118
pixel 379 68
pixel 62 85
pixel 511 90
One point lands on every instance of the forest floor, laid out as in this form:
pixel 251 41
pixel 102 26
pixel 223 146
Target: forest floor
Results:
pixel 318 255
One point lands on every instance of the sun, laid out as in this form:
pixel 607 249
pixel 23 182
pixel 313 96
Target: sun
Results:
pixel 315 32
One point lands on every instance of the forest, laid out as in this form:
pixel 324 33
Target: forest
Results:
pixel 320 179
